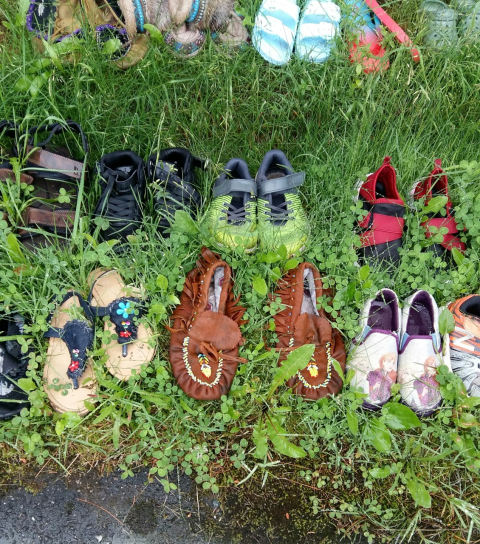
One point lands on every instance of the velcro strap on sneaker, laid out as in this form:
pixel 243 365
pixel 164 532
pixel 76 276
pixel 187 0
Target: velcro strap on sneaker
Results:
pixel 60 219
pixel 382 228
pixel 440 222
pixel 450 240
pixel 286 184
pixel 5 174
pixel 52 161
pixel 235 185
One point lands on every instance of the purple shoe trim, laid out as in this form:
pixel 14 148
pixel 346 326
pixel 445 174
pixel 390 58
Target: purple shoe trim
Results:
pixel 101 28
pixel 119 32
pixel 75 33
pixel 381 331
pixel 424 413
pixel 29 20
pixel 373 407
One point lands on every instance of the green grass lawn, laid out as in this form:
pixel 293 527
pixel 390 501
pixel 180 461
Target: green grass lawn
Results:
pixel 336 124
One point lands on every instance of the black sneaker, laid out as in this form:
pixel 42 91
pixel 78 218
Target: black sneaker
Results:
pixel 13 366
pixel 173 170
pixel 122 180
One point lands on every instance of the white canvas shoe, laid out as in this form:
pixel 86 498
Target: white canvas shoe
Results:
pixel 374 353
pixel 420 354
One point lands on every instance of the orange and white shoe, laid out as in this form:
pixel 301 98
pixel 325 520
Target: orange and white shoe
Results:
pixel 465 342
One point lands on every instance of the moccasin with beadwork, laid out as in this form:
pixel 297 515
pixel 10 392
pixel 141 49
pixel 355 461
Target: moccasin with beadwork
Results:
pixel 300 323
pixel 205 332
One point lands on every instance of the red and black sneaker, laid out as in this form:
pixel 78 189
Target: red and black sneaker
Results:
pixel 437 185
pixel 381 229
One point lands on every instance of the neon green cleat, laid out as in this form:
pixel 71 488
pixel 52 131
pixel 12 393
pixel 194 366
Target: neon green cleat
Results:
pixel 232 217
pixel 281 217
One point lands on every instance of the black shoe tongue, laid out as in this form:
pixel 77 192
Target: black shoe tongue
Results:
pixel 125 177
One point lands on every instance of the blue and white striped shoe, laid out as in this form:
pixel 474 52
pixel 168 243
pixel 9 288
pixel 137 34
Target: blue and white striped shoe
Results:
pixel 317 30
pixel 274 32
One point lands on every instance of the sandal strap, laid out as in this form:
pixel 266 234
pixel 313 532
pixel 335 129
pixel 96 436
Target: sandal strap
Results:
pixel 9 128
pixel 54 129
pixel 6 173
pixel 121 314
pixel 78 336
pixel 284 184
pixel 228 186
pixel 58 219
pixel 83 303
pixel 51 161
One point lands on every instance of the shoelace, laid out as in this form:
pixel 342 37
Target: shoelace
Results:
pixel 235 215
pixel 174 196
pixel 121 206
pixel 279 213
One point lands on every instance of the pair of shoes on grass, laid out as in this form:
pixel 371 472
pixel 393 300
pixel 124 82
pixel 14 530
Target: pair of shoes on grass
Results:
pixel 445 24
pixel 205 339
pixel 399 347
pixel 381 230
pixel 123 175
pixel 265 211
pixel 50 180
pixel 65 25
pixel 69 377
pixel 279 30
pixel 13 366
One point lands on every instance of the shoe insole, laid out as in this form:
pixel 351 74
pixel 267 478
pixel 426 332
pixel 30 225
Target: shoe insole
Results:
pixel 215 289
pixel 380 191
pixel 309 301
pixel 419 321
pixel 381 316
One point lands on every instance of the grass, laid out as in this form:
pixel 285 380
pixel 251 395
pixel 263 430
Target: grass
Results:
pixel 337 124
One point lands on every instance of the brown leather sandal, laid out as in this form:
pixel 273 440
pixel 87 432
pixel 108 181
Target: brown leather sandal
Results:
pixel 110 297
pixel 302 323
pixel 52 170
pixel 205 333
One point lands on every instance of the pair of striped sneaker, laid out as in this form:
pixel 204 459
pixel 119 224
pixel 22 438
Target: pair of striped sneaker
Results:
pixel 279 30
pixel 267 210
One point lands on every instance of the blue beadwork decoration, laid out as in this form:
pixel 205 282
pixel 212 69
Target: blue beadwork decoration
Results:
pixel 139 16
pixel 193 12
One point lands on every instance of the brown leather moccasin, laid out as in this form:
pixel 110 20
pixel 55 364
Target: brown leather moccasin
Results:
pixel 205 333
pixel 302 323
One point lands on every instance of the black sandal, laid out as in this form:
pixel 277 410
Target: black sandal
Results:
pixel 174 171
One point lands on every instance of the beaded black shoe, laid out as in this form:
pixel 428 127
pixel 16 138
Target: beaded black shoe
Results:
pixel 122 181
pixel 173 173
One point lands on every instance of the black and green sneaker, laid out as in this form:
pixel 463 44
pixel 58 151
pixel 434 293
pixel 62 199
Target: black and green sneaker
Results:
pixel 281 217
pixel 232 217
